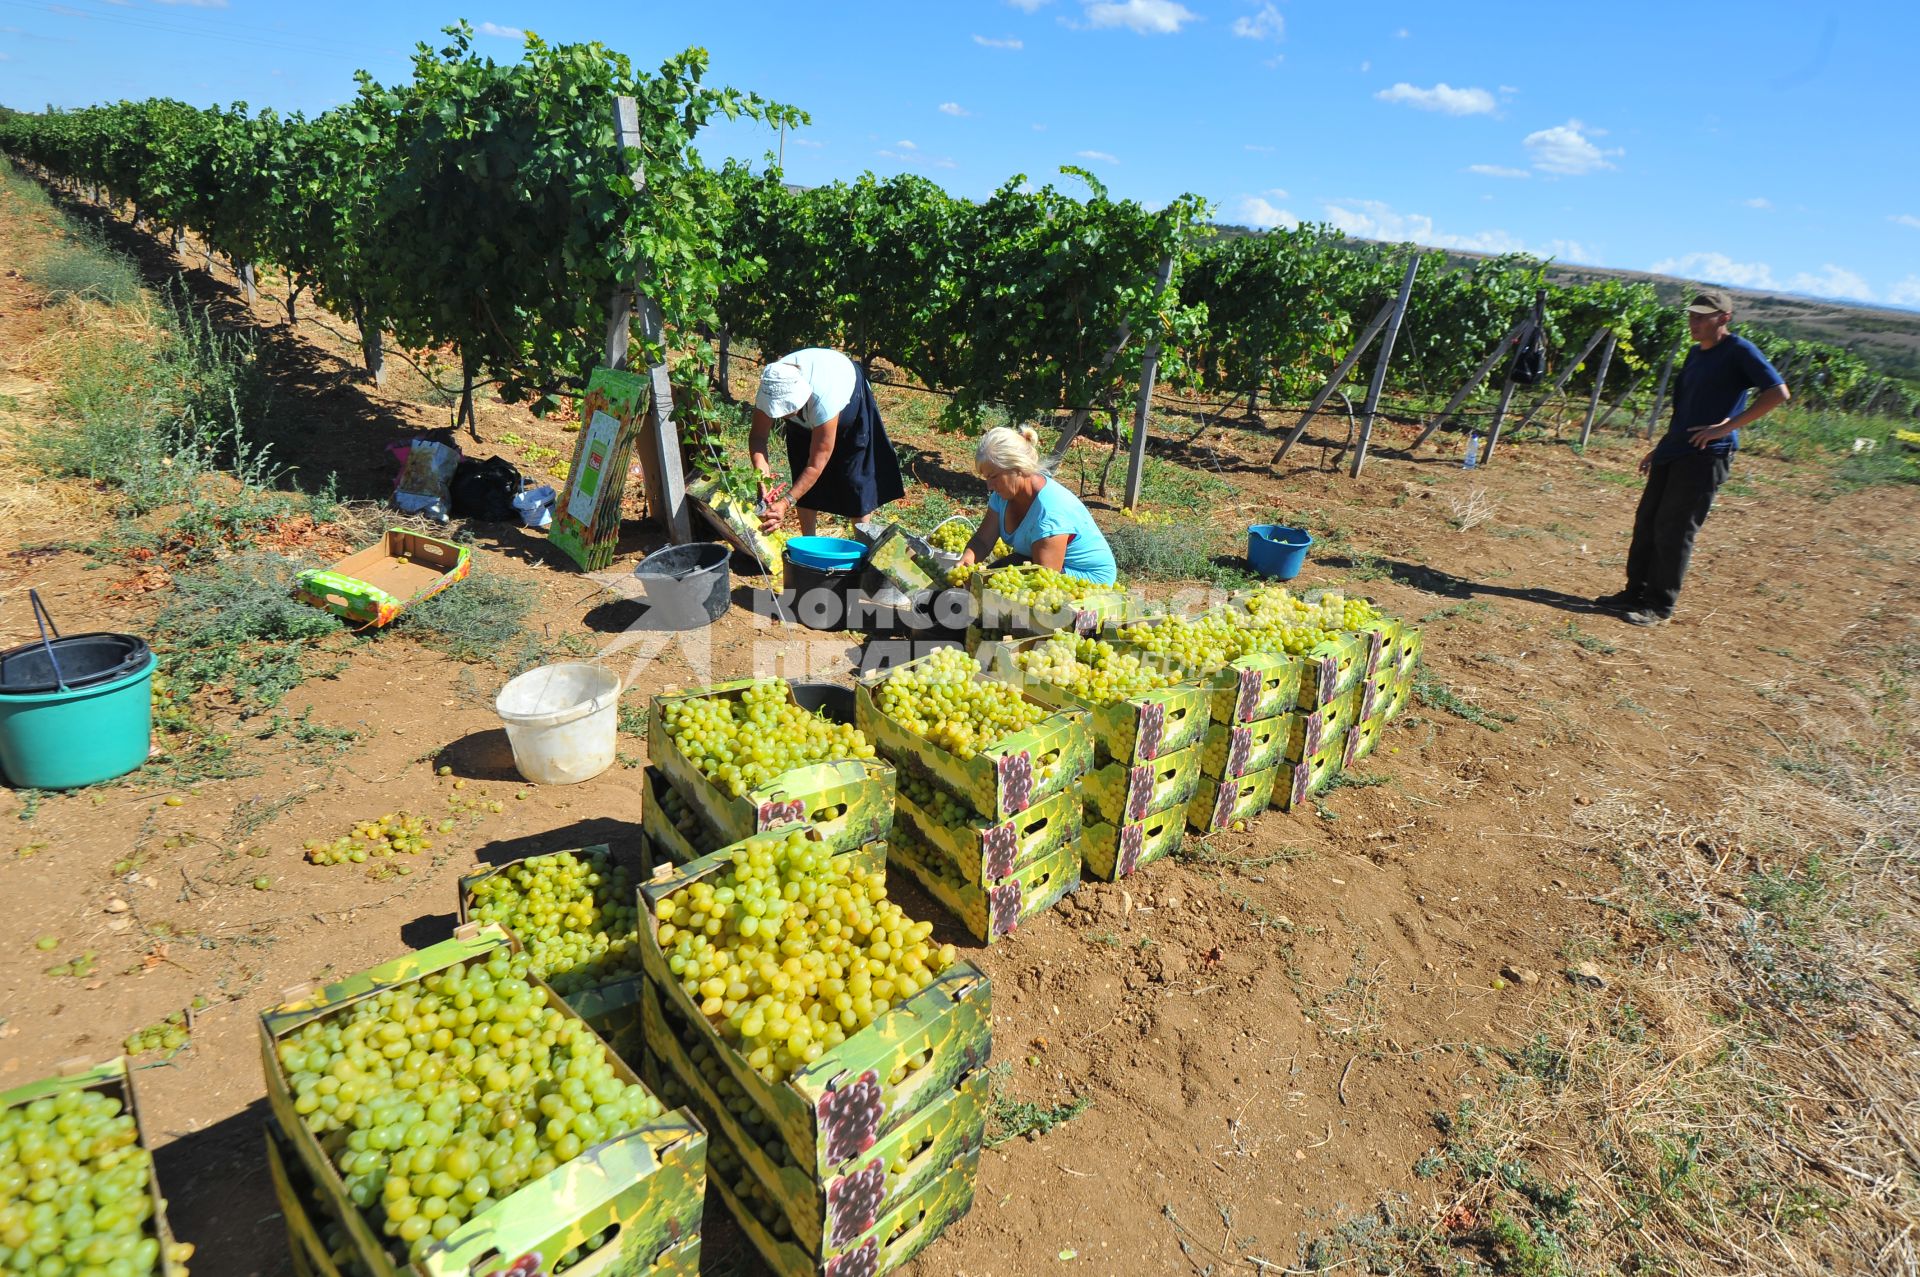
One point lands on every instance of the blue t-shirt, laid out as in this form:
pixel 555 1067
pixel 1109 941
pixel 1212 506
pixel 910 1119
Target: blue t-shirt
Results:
pixel 1056 512
pixel 1712 388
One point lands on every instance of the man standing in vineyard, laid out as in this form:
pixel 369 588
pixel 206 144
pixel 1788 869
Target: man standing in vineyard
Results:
pixel 1692 460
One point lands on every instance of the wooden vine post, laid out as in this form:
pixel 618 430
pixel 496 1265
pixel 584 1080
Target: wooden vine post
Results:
pixel 1660 393
pixel 1516 336
pixel 1339 375
pixel 1599 383
pixel 1149 369
pixel 1565 375
pixel 659 440
pixel 1380 367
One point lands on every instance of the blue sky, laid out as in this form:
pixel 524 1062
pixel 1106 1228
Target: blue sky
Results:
pixel 1765 145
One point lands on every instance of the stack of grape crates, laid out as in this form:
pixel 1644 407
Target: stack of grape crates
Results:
pixel 47 1105
pixel 995 837
pixel 1146 763
pixel 631 1201
pixel 1390 685
pixel 685 816
pixel 857 1162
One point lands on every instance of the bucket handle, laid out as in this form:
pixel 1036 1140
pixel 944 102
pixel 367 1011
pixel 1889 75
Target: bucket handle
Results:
pixel 44 619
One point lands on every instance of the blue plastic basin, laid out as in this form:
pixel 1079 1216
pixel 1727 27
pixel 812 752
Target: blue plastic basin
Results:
pixel 829 554
pixel 1276 550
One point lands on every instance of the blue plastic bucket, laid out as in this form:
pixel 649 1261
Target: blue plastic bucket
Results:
pixel 78 736
pixel 828 554
pixel 1276 550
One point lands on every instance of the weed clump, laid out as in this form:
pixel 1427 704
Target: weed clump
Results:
pixel 480 619
pixel 236 625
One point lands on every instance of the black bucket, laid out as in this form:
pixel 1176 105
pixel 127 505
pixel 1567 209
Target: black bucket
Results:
pixel 688 586
pixel 818 598
pixel 76 661
pixel 829 700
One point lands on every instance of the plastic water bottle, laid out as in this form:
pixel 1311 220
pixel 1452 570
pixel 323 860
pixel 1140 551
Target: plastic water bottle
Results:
pixel 1473 451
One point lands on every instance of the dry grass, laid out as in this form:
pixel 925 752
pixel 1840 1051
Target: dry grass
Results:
pixel 1472 509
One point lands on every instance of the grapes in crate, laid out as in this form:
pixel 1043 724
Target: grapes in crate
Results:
pixel 575 912
pixel 437 1098
pixel 790 952
pixel 1040 587
pixel 742 742
pixel 74 1190
pixel 943 699
pixel 1092 670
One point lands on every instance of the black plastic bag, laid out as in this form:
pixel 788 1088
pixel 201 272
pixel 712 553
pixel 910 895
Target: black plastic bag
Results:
pixel 485 490
pixel 1530 361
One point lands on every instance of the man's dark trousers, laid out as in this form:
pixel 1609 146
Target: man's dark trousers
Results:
pixel 1678 495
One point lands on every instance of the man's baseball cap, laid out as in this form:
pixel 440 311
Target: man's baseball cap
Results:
pixel 1710 301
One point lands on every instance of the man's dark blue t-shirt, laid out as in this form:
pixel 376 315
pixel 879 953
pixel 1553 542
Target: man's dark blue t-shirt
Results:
pixel 1712 388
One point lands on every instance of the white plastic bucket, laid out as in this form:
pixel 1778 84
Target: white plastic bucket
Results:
pixel 560 720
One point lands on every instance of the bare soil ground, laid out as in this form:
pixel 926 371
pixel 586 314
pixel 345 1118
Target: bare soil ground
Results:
pixel 1265 1025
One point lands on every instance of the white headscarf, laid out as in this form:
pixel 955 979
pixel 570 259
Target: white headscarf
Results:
pixel 783 391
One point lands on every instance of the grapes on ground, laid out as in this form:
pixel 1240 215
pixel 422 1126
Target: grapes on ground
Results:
pixel 574 912
pixel 169 1034
pixel 742 742
pixel 789 951
pixel 394 834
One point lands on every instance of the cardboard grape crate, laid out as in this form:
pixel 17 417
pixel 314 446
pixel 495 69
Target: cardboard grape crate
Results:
pixel 373 586
pixel 1362 739
pixel 851 800
pixel 1117 794
pixel 1111 852
pixel 645 1184
pixel 991 910
pixel 832 1217
pixel 842 1104
pixel 1300 781
pixel 1342 712
pixel 736 520
pixel 1389 707
pixel 1218 804
pixel 912 1226
pixel 1003 780
pixel 1084 613
pixel 1240 749
pixel 663 838
pixel 987 851
pixel 1407 652
pixel 1138 729
pixel 111 1078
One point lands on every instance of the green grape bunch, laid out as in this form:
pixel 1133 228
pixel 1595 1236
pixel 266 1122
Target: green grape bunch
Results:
pixel 393 834
pixel 953 537
pixel 940 807
pixel 1040 588
pixel 576 914
pixel 440 1097
pixel 1092 670
pixel 791 951
pixel 742 742
pixel 75 1190
pixel 944 699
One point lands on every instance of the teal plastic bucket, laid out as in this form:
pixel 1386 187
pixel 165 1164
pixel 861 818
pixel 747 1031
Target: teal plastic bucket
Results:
pixel 62 739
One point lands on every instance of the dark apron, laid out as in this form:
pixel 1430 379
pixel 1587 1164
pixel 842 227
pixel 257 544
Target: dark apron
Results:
pixel 863 473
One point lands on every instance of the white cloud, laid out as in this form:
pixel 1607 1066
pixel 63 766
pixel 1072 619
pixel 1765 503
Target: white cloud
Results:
pixel 1366 67
pixel 905 145
pixel 1039 128
pixel 1258 149
pixel 1029 6
pixel 987 42
pixel 1507 90
pixel 1567 149
pixel 1906 292
pixel 1276 192
pixel 1831 281
pixel 1904 219
pixel 1717 268
pixel 1372 219
pixel 1758 201
pixel 1402 34
pixel 1096 157
pixel 955 109
pixel 1497 170
pixel 505 33
pixel 1264 25
pixel 1142 17
pixel 807 142
pixel 1441 97
pixel 1254 211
